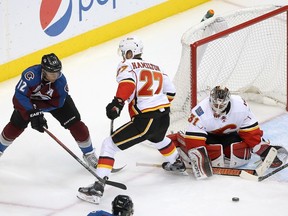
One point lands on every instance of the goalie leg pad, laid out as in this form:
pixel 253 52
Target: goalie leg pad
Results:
pixel 215 152
pixel 240 154
pixel 260 148
pixel 263 148
pixel 201 164
pixel 281 155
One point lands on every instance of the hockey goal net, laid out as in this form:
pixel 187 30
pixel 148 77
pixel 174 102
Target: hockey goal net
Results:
pixel 245 51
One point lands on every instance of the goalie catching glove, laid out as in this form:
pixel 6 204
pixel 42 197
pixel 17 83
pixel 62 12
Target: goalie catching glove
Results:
pixel 38 122
pixel 114 108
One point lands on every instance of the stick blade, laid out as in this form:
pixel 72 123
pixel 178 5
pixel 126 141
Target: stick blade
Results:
pixel 248 176
pixel 115 170
pixel 264 166
pixel 90 199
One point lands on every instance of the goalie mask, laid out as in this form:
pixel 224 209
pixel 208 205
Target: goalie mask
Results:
pixel 219 99
pixel 130 43
pixel 122 205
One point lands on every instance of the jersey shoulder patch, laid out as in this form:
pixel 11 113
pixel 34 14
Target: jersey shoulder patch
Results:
pixel 199 111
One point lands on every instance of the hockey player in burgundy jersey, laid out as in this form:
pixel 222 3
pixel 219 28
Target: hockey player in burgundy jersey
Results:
pixel 148 92
pixel 223 126
pixel 43 88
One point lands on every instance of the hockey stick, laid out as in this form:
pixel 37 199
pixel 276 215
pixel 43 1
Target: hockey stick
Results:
pixel 264 166
pixel 112 183
pixel 216 170
pixel 261 178
pixel 111 127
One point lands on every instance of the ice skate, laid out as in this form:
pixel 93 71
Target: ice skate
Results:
pixel 178 165
pixel 91 159
pixel 92 193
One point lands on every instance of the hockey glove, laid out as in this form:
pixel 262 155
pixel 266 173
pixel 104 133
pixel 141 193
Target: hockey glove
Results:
pixel 114 108
pixel 38 122
pixel 281 157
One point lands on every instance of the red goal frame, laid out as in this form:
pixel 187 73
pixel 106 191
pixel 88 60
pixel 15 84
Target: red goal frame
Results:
pixel 195 45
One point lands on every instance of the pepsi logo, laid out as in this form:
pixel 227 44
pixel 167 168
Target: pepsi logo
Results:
pixel 55 16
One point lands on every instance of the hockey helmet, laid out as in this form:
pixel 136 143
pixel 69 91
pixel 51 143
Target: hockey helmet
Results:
pixel 122 205
pixel 219 99
pixel 51 63
pixel 130 43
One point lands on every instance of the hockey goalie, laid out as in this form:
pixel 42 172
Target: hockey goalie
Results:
pixel 222 131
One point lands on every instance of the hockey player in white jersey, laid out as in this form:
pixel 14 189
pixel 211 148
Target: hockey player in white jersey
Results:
pixel 148 92
pixel 223 126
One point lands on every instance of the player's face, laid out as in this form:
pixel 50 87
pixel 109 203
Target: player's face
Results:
pixel 129 54
pixel 51 77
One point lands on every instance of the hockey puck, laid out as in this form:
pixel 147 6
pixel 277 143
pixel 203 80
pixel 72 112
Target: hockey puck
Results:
pixel 235 199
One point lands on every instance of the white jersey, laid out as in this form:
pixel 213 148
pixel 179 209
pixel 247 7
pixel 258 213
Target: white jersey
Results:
pixel 239 115
pixel 151 86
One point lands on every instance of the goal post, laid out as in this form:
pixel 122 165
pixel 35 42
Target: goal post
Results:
pixel 245 50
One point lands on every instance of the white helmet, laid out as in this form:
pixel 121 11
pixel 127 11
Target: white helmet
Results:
pixel 219 99
pixel 131 43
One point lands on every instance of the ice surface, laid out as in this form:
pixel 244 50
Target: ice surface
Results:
pixel 39 178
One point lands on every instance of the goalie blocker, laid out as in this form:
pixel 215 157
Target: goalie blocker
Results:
pixel 203 158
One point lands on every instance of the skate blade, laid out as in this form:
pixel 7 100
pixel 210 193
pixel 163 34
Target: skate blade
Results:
pixel 115 170
pixel 90 199
pixel 177 172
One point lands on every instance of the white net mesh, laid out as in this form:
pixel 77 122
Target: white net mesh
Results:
pixel 251 61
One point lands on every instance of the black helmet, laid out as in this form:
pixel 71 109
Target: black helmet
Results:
pixel 122 205
pixel 51 63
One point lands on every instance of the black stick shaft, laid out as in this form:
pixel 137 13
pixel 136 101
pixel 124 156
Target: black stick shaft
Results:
pixel 111 127
pixel 261 178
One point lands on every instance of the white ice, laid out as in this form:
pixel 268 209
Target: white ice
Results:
pixel 39 178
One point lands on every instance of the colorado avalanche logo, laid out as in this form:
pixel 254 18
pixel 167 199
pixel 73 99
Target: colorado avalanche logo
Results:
pixel 29 75
pixel 55 16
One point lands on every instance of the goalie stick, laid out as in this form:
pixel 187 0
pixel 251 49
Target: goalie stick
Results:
pixel 216 170
pixel 260 170
pixel 111 183
pixel 261 178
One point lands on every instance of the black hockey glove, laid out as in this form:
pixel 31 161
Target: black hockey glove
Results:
pixel 38 122
pixel 114 108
